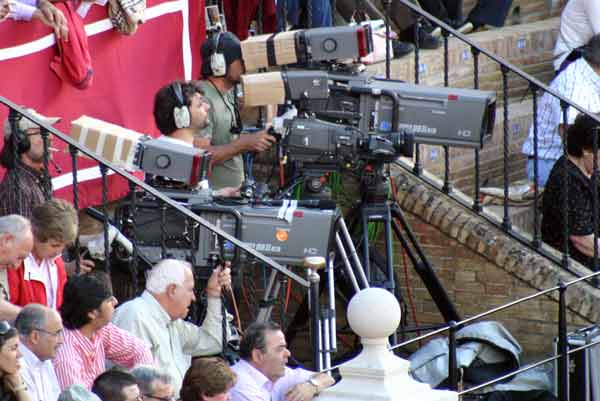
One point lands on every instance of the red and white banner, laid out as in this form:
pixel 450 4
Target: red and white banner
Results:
pixel 128 70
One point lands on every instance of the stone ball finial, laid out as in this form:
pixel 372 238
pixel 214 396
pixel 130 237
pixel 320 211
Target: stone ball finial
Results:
pixel 374 313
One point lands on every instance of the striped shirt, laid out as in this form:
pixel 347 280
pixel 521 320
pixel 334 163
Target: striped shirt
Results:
pixel 22 190
pixel 80 360
pixel 580 84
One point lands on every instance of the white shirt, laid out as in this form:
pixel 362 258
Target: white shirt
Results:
pixel 46 272
pixel 39 377
pixel 579 21
pixel 253 385
pixel 578 83
pixel 172 342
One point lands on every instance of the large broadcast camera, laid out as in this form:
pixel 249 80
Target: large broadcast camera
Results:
pixel 286 231
pixel 437 116
pixel 320 146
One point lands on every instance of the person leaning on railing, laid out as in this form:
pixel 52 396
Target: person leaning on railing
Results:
pixel 579 190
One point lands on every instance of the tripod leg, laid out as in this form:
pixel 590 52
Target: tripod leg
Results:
pixel 424 268
pixel 353 253
pixel 347 265
pixel 266 305
pixel 365 244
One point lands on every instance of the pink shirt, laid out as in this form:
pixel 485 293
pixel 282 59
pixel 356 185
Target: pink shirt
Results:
pixel 253 385
pixel 80 360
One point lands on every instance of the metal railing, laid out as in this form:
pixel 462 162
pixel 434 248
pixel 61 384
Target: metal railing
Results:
pixel 537 87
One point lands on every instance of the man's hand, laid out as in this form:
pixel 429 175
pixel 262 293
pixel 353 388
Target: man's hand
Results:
pixel 301 392
pixel 85 266
pixel 258 142
pixel 52 17
pixel 220 277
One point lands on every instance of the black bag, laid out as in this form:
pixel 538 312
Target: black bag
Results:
pixel 490 12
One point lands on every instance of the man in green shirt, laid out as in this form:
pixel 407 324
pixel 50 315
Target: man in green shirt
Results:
pixel 222 68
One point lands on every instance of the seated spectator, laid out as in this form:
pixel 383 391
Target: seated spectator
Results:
pixel 116 385
pixel 26 182
pixel 578 188
pixel 579 21
pixel 154 384
pixel 208 379
pixel 297 17
pixel 262 372
pixel 41 277
pixel 77 393
pixel 157 316
pixel 43 10
pixel 90 338
pixel 579 82
pixel 12 387
pixel 41 333
pixel 16 242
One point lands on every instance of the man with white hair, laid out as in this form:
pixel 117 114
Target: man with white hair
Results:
pixel 154 383
pixel 157 316
pixel 16 242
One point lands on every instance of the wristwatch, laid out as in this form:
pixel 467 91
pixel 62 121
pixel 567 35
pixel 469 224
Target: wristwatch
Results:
pixel 314 382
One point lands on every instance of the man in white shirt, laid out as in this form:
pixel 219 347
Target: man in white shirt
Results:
pixel 41 333
pixel 580 83
pixel 157 316
pixel 262 372
pixel 579 21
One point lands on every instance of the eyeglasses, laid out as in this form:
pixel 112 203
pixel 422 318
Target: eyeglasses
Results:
pixel 56 333
pixel 171 398
pixel 4 327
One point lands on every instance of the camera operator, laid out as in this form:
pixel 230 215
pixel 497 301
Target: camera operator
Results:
pixel 180 112
pixel 222 68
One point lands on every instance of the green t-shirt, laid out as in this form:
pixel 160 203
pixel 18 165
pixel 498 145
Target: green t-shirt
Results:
pixel 221 118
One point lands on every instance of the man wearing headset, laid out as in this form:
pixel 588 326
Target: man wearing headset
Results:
pixel 222 68
pixel 26 182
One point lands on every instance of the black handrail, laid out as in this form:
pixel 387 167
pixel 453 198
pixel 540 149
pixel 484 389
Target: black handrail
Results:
pixel 157 194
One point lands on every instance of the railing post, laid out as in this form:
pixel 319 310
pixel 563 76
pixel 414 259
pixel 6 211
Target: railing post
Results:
pixel 388 57
pixel 563 345
pixel 103 171
pixel 132 235
pixel 47 185
pixel 447 188
pixel 565 199
pixel 452 365
pixel 417 168
pixel 74 151
pixel 476 201
pixel 506 224
pixel 595 204
pixel 163 231
pixel 536 242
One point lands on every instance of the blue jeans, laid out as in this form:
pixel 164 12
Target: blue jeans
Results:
pixel 544 168
pixel 321 13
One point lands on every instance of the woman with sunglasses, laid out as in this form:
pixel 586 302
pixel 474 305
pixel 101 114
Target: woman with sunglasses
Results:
pixel 208 379
pixel 12 387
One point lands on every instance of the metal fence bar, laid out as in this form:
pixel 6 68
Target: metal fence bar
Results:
pixel 73 151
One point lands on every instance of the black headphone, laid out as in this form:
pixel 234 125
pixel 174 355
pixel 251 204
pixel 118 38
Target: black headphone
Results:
pixel 181 112
pixel 20 138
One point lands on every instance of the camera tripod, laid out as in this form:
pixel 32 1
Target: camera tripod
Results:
pixel 362 265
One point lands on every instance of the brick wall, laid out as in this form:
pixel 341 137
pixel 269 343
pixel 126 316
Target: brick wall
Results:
pixel 482 268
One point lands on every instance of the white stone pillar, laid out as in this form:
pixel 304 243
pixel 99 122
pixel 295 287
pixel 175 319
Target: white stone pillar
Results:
pixel 376 374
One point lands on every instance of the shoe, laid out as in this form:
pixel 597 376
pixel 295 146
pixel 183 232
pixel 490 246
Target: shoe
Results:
pixel 402 48
pixel 426 40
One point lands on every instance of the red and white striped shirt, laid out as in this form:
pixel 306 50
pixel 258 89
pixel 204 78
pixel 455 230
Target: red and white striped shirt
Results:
pixel 80 360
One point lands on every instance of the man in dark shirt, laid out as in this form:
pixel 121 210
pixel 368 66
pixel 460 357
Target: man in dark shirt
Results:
pixel 26 183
